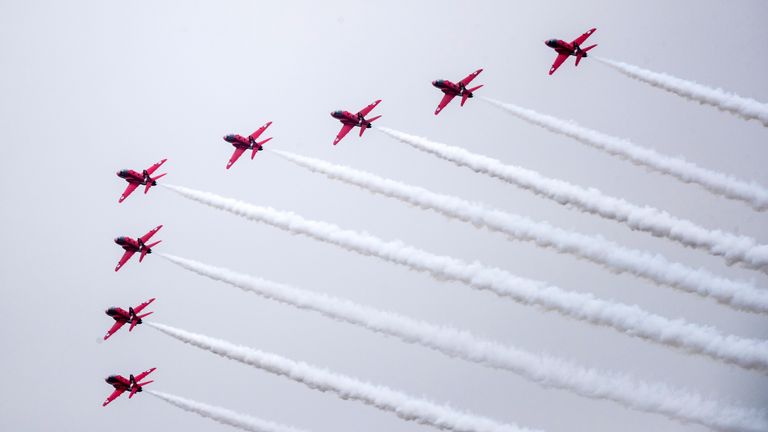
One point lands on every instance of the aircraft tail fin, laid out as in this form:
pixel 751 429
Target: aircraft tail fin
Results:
pixel 143 315
pixel 583 53
pixel 258 147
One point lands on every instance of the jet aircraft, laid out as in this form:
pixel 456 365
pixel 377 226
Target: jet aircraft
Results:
pixel 451 90
pixel 136 179
pixel 565 49
pixel 349 120
pixel 130 384
pixel 121 316
pixel 132 246
pixel 242 144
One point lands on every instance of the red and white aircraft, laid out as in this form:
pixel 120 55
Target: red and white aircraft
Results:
pixel 121 316
pixel 136 179
pixel 565 49
pixel 452 90
pixel 122 385
pixel 242 144
pixel 350 120
pixel 132 246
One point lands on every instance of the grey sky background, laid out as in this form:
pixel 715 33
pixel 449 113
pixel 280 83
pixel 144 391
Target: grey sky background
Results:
pixel 90 87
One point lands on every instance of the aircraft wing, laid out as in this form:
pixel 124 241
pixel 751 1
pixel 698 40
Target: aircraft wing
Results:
pixel 126 256
pixel 235 156
pixel 260 131
pixel 141 307
pixel 468 79
pixel 558 61
pixel 128 190
pixel 142 375
pixel 149 235
pixel 447 98
pixel 115 394
pixel 342 133
pixel 111 331
pixel 154 167
pixel 364 112
pixel 579 40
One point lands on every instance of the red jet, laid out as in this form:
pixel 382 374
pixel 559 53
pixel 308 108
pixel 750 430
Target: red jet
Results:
pixel 452 90
pixel 242 144
pixel 132 246
pixel 122 317
pixel 350 120
pixel 122 385
pixel 136 179
pixel 565 49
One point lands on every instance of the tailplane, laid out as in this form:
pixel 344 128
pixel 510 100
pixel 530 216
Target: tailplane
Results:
pixel 468 93
pixel 152 181
pixel 367 124
pixel 147 249
pixel 258 147
pixel 583 53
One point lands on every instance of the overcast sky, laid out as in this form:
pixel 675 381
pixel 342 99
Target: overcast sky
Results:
pixel 91 87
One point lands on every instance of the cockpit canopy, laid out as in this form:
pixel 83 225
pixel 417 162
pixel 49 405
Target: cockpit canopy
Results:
pixel 552 42
pixel 120 239
pixel 337 113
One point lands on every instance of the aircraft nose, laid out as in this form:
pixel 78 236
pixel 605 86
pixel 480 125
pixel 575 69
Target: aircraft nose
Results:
pixel 434 83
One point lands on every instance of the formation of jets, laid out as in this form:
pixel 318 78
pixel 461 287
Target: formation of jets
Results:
pixel 133 316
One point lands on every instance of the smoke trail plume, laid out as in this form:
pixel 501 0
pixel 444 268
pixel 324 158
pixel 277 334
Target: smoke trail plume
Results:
pixel 545 370
pixel 721 184
pixel 734 248
pixel 402 405
pixel 627 319
pixel 223 415
pixel 654 267
pixel 746 108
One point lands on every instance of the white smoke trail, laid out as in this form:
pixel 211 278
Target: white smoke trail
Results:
pixel 734 248
pixel 721 184
pixel 654 267
pixel 545 370
pixel 746 108
pixel 631 320
pixel 223 415
pixel 402 405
